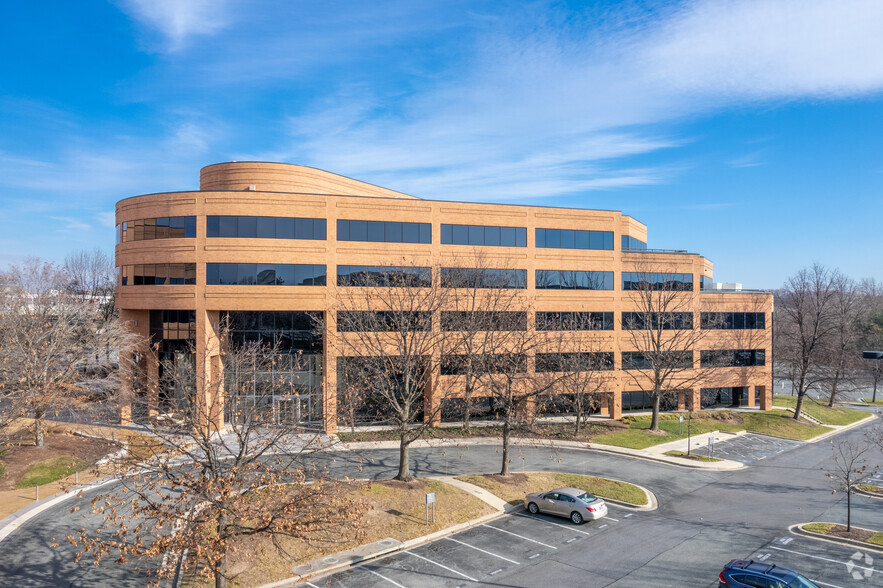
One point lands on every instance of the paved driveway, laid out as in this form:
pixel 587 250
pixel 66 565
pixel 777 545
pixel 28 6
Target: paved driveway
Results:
pixel 827 564
pixel 750 448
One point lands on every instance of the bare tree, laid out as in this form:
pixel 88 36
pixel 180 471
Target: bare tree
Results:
pixel 840 352
pixel 48 340
pixel 849 467
pixel 805 305
pixel 385 335
pixel 508 376
pixel 91 278
pixel 663 333
pixel 204 491
pixel 871 331
pixel 476 294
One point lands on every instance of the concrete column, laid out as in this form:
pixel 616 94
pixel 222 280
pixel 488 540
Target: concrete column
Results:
pixel 209 401
pixel 696 398
pixel 137 324
pixel 766 397
pixel 614 404
pixel 603 409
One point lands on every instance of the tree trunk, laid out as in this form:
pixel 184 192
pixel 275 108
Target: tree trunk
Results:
pixel 654 421
pixel 578 423
pixel 848 509
pixel 504 471
pixel 467 407
pixel 221 569
pixel 404 461
pixel 799 405
pixel 38 428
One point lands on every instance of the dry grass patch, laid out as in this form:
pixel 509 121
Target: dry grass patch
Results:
pixel 396 510
pixel 514 487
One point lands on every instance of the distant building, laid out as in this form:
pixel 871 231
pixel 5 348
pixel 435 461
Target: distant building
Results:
pixel 268 245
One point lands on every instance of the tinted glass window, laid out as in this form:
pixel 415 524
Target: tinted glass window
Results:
pixel 265 274
pixel 158 274
pixel 573 280
pixel 464 277
pixel 484 320
pixel 574 239
pixel 657 281
pixel 733 320
pixel 480 235
pixel 383 232
pixel 144 229
pixel 574 321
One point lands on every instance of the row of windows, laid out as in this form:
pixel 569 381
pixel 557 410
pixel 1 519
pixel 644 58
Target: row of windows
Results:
pixel 264 227
pixel 632 243
pixel 573 280
pixel 657 281
pixel 480 235
pixel 169 227
pixel 383 232
pixel 390 276
pixel 589 361
pixel 157 274
pixel 733 358
pixel 378 321
pixel 639 360
pixel 667 321
pixel 456 365
pixel 465 277
pixel 574 321
pixel 264 274
pixel 167 325
pixel 571 239
pixel 733 320
pixel 484 320
pixel 268 227
pixel 287 331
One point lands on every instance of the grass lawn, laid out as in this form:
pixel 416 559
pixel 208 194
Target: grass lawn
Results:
pixel 515 487
pixel 820 411
pixel 878 402
pixel 781 424
pixel 50 470
pixel 775 422
pixel 397 510
pixel 693 456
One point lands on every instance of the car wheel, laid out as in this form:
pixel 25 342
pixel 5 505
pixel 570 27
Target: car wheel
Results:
pixel 533 508
pixel 576 518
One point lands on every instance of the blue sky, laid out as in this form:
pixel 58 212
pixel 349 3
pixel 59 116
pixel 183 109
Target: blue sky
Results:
pixel 748 131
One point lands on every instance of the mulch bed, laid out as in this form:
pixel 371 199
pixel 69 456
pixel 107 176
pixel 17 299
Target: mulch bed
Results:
pixel 510 479
pixel 855 534
pixel 21 453
pixel 399 485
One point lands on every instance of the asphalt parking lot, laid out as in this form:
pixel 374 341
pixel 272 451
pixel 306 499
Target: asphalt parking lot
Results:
pixel 489 554
pixel 829 565
pixel 750 448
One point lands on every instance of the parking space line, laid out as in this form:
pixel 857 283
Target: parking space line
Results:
pixel 483 551
pixel 384 577
pixel 534 556
pixel 520 536
pixel 556 523
pixel 611 519
pixel 825 584
pixel 442 566
pixel 823 558
pixel 311 584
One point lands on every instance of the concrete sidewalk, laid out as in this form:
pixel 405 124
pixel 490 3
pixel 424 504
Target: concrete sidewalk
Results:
pixel 655 453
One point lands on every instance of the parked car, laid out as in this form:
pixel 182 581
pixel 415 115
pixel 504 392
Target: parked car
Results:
pixel 573 503
pixel 743 573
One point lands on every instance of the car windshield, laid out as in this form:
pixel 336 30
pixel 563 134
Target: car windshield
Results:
pixel 586 497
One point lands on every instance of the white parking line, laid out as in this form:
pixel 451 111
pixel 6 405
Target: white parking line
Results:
pixel 824 584
pixel 612 519
pixel 824 558
pixel 520 536
pixel 442 566
pixel 384 577
pixel 557 524
pixel 483 551
pixel 311 584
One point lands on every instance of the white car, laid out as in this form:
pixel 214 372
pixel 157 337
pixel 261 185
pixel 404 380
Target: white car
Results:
pixel 573 503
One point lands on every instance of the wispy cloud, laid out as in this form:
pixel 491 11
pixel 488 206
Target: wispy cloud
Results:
pixel 178 21
pixel 71 224
pixel 747 160
pixel 560 108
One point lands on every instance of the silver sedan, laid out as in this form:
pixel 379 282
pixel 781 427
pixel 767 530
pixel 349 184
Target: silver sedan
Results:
pixel 573 503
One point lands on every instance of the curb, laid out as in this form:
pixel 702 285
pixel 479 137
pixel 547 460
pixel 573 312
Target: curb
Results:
pixel 868 494
pixel 799 530
pixel 841 429
pixel 20 517
pixel 411 543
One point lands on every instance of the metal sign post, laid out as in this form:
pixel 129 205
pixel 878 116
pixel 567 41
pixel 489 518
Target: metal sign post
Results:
pixel 711 447
pixel 680 425
pixel 430 499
